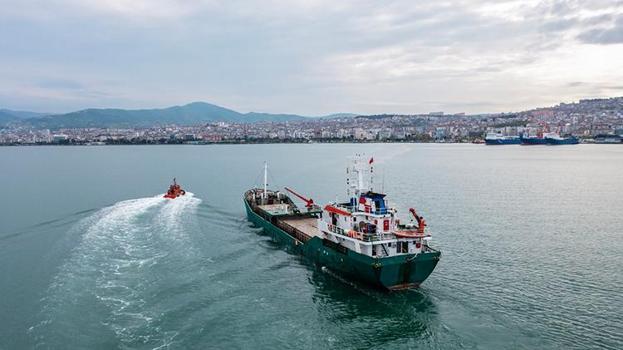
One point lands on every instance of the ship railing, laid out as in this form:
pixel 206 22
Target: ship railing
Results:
pixel 293 231
pixel 366 237
pixel 429 248
pixel 374 237
pixel 256 209
pixel 336 229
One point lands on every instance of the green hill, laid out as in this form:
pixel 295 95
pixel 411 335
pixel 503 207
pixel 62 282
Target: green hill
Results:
pixel 11 116
pixel 190 114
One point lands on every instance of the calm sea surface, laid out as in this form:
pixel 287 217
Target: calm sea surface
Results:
pixel 92 258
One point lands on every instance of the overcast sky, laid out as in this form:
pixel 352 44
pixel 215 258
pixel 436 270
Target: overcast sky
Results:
pixel 309 57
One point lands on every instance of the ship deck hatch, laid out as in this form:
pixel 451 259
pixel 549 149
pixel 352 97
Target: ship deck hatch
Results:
pixel 307 226
pixel 276 209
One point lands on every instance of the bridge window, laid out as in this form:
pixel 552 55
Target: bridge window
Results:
pixel 402 247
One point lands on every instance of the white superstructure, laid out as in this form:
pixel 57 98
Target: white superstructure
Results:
pixel 366 223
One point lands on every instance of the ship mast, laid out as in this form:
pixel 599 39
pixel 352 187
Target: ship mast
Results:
pixel 359 176
pixel 265 181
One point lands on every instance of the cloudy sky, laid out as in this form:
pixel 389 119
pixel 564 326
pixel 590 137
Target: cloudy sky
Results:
pixel 309 57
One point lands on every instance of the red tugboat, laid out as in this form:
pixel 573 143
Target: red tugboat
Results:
pixel 174 191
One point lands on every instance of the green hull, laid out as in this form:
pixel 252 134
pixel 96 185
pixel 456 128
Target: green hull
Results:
pixel 393 273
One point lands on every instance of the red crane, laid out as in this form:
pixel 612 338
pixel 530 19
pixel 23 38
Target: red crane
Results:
pixel 308 202
pixel 421 223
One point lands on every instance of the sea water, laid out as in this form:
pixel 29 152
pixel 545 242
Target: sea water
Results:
pixel 92 257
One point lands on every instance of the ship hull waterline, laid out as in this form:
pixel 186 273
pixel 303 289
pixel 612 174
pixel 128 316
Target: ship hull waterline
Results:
pixel 388 273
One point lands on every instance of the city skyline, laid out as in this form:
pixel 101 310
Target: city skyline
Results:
pixel 595 120
pixel 309 58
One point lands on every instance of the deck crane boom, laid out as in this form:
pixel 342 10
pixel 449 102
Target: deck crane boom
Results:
pixel 308 201
pixel 420 220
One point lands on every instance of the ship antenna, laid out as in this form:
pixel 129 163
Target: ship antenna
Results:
pixel 383 182
pixel 265 180
pixel 371 184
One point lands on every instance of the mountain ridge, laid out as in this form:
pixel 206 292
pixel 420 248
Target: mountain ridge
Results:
pixel 189 114
pixel 9 115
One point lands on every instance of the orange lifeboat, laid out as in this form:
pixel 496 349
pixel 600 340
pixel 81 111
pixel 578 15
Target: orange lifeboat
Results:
pixel 174 191
pixel 409 233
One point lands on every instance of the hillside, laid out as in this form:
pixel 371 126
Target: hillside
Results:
pixel 11 116
pixel 190 114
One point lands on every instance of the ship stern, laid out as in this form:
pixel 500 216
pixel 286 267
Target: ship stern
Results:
pixel 407 272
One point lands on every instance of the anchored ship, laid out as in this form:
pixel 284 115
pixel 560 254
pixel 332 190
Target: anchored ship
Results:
pixel 555 139
pixel 362 238
pixel 538 139
pixel 499 139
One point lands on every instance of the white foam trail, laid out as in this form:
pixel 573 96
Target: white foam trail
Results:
pixel 112 272
pixel 176 211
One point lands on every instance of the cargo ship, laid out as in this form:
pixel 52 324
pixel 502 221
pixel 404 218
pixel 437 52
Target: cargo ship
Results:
pixel 360 239
pixel 555 139
pixel 609 139
pixel 499 139
pixel 528 140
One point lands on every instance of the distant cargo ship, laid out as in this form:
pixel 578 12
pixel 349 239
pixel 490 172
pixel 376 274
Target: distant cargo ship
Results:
pixel 361 238
pixel 533 140
pixel 540 139
pixel 555 139
pixel 499 139
pixel 609 139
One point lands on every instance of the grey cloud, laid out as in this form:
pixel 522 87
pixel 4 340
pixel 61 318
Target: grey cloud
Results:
pixel 612 34
pixel 323 55
pixel 65 84
pixel 576 84
pixel 599 19
pixel 597 87
pixel 559 24
pixel 603 36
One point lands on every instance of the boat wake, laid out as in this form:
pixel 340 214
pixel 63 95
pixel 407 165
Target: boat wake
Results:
pixel 113 282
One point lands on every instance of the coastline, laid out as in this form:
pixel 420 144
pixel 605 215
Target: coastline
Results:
pixel 264 142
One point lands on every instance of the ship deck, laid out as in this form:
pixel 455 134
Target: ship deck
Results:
pixel 308 226
pixel 276 209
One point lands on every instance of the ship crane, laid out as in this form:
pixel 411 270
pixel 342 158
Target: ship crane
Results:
pixel 421 223
pixel 309 203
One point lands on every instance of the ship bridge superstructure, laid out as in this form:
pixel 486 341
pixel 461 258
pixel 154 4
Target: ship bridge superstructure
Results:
pixel 367 223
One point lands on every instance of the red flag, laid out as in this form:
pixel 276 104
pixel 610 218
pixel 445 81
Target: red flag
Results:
pixel 371 160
